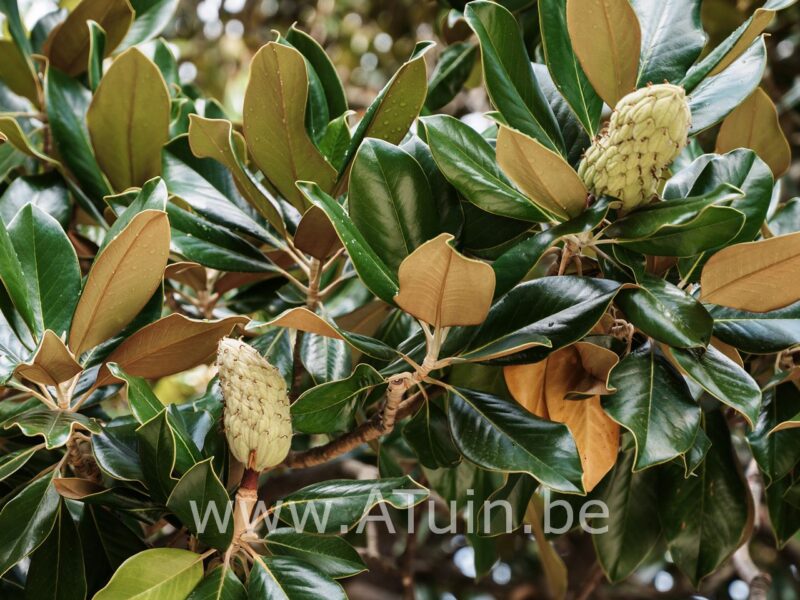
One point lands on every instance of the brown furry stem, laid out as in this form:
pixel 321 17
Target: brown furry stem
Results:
pixel 381 423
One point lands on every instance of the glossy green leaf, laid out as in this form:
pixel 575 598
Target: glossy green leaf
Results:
pixel 333 556
pixel 375 274
pixel 564 67
pixel 155 574
pixel 97 49
pixel 652 402
pixel 10 10
pixel 783 515
pixel 11 462
pixel 325 358
pixel 26 521
pixel 330 406
pixel 468 162
pixel 451 73
pixel 500 435
pixel 518 261
pixel 152 17
pixel 46 191
pixel 632 531
pixel 52 273
pixel 290 578
pixel 197 492
pixel 494 518
pixel 395 107
pixel 757 333
pixel 13 279
pixel 57 566
pixel 67 102
pixel 705 517
pixel 741 168
pixel 346 501
pixel 55 426
pixel 323 67
pixel 716 96
pixel 428 434
pixel 667 313
pixel 722 378
pixel 776 452
pixel 220 584
pixel 157 452
pixel 390 201
pixel 116 450
pixel 510 81
pixel 672 39
pixel 540 316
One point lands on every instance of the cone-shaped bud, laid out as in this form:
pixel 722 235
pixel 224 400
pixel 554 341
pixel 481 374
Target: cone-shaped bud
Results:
pixel 256 416
pixel 647 130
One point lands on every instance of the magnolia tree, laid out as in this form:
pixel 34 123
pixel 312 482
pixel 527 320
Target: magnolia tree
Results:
pixel 420 328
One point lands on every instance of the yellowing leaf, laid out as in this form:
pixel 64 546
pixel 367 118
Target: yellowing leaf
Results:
pixel 214 138
pixel 544 176
pixel 606 38
pixel 444 288
pixel 544 388
pixel 758 23
pixel 121 280
pixel 274 123
pixel 170 345
pixel 128 120
pixel 52 364
pixel 16 72
pixel 68 44
pixel 756 276
pixel 754 124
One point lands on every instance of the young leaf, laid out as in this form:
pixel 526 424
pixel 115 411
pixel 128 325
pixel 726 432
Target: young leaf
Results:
pixel 128 129
pixel 607 39
pixel 121 281
pixel 444 288
pixel 542 174
pixel 168 573
pixel 274 123
pixel 756 276
pixel 754 124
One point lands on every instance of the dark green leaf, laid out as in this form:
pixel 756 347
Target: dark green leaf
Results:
pixel 378 277
pixel 705 517
pixel 326 359
pixel 333 556
pixel 346 501
pixel 330 406
pixel 757 333
pixel 500 435
pixel 390 201
pixel 428 434
pixel 11 462
pixel 510 81
pixel 57 569
pixel 13 279
pixel 672 39
pixel 47 191
pixel 116 451
pixel 152 17
pixel 324 69
pixel 564 67
pixel 468 162
pixel 283 577
pixel 784 516
pixel 220 584
pixel 195 497
pixel 667 313
pixel 504 510
pixel 653 402
pixel 632 531
pixel 26 521
pixel 55 426
pixel 51 268
pixel 722 378
pixel 776 453
pixel 451 73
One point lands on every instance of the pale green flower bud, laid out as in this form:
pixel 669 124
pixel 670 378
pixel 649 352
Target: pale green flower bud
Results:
pixel 256 416
pixel 647 130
